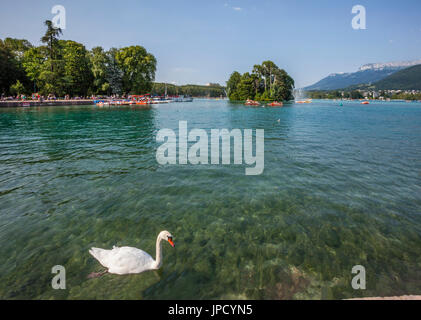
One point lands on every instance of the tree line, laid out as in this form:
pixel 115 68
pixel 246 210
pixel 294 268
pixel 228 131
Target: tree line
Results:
pixel 211 91
pixel 355 94
pixel 335 94
pixel 65 67
pixel 266 82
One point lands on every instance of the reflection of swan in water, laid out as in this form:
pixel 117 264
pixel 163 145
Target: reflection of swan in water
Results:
pixel 129 260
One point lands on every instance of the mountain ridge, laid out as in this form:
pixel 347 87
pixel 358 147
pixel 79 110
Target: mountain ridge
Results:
pixel 405 79
pixel 366 74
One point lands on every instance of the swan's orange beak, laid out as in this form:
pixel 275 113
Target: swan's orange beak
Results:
pixel 171 242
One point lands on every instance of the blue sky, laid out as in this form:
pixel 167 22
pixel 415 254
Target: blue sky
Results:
pixel 197 41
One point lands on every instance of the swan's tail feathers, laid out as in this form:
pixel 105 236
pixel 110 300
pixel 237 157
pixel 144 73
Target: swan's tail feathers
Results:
pixel 98 253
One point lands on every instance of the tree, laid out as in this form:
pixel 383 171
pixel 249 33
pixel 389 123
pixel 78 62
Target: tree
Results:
pixel 266 82
pixel 282 85
pixel 232 86
pixel 52 71
pixel 246 88
pixel 77 70
pixel 268 68
pixel 99 64
pixel 17 88
pixel 65 67
pixel 33 62
pixel 11 68
pixel 213 90
pixel 51 39
pixel 114 74
pixel 138 67
pixel 8 68
pixel 18 47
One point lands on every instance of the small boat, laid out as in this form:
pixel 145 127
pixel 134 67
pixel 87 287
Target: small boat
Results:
pixel 159 100
pixel 182 98
pixel 142 102
pixel 365 102
pixel 275 104
pixel 251 103
pixel 187 99
pixel 102 103
pixel 304 101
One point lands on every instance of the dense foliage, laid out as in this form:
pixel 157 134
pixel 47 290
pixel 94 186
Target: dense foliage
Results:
pixel 335 94
pixel 212 90
pixel 64 67
pixel 11 68
pixel 267 82
pixel 354 94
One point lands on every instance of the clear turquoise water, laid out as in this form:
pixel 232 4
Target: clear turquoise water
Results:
pixel 341 187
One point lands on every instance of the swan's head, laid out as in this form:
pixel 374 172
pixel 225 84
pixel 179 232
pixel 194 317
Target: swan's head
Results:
pixel 165 235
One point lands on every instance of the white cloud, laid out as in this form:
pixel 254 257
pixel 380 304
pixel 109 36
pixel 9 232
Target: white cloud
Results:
pixel 226 5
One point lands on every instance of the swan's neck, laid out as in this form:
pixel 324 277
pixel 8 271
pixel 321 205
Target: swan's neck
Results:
pixel 158 257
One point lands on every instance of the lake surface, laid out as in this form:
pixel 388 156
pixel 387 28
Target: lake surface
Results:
pixel 341 187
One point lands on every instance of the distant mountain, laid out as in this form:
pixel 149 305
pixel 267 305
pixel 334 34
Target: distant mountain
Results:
pixel 406 79
pixel 367 74
pixel 379 66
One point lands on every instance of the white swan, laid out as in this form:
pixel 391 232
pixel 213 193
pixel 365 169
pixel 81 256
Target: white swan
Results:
pixel 129 260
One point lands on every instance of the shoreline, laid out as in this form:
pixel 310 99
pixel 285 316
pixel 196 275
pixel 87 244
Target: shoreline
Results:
pixel 406 297
pixel 52 103
pixel 46 103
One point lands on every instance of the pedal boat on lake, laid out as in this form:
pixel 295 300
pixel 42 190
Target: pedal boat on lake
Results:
pixel 304 101
pixel 251 103
pixel 275 104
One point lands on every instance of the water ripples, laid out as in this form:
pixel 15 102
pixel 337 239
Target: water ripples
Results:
pixel 341 186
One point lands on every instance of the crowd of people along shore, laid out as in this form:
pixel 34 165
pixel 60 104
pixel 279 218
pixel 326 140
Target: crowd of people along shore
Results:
pixel 51 97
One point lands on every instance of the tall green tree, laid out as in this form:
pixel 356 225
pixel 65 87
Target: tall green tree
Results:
pixel 50 38
pixel 232 86
pixel 33 62
pixel 77 69
pixel 114 74
pixel 99 64
pixel 138 67
pixel 246 87
pixel 282 85
pixel 44 65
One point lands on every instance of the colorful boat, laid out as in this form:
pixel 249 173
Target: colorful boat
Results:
pixel 140 99
pixel 365 102
pixel 251 103
pixel 304 101
pixel 275 104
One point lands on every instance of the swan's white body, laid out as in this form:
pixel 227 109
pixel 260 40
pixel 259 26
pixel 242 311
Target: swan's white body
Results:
pixel 129 260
